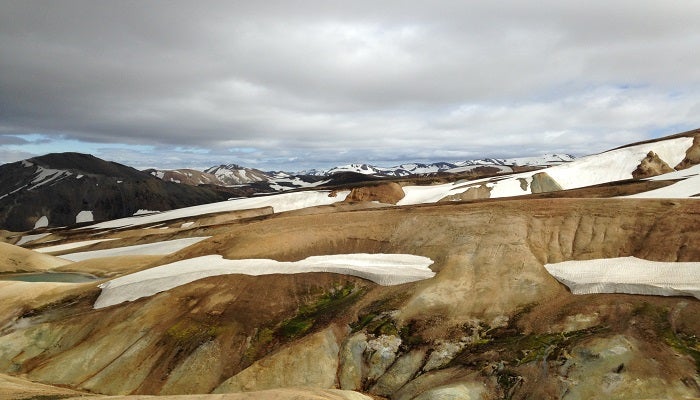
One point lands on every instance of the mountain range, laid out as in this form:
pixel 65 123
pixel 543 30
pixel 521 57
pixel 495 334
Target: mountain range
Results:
pixel 67 188
pixel 574 281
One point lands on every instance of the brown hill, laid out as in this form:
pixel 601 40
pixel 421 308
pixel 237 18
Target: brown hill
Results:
pixel 492 318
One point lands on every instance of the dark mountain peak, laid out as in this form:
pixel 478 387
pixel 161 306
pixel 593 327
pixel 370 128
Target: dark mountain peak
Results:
pixel 54 189
pixel 86 164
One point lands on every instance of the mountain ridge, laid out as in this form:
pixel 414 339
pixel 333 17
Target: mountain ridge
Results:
pixel 60 189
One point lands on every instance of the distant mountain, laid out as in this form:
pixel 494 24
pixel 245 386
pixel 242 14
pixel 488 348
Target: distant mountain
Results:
pixel 502 164
pixel 186 176
pixel 66 188
pixel 233 174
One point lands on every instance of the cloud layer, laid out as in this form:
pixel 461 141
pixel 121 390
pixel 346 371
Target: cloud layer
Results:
pixel 311 84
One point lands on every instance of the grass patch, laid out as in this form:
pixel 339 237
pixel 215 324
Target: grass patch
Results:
pixel 686 344
pixel 313 314
pixel 188 331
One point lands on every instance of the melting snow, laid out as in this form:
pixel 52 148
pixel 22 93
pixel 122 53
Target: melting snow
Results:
pixel 47 175
pixel 165 247
pixel 84 216
pixel 629 275
pixel 145 212
pixel 30 238
pixel 384 269
pixel 68 246
pixel 42 222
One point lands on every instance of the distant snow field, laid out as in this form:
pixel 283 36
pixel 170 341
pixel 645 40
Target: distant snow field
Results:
pixel 384 269
pixel 629 275
pixel 165 247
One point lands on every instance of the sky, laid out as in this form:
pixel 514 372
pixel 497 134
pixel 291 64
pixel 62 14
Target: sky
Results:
pixel 294 85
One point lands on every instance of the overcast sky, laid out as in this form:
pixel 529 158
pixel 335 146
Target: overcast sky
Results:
pixel 303 84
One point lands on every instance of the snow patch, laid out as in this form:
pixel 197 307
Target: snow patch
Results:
pixel 30 238
pixel 688 186
pixel 629 275
pixel 68 246
pixel 84 216
pixel 384 269
pixel 165 247
pixel 42 222
pixel 145 212
pixel 47 175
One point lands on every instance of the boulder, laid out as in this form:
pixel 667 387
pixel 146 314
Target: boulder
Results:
pixel 389 193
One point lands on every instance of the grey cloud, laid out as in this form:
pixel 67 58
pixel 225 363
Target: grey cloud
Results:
pixel 317 80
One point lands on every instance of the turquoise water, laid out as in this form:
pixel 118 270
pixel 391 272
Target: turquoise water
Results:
pixel 66 277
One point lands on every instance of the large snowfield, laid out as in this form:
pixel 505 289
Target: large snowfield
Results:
pixel 384 269
pixel 611 166
pixel 629 275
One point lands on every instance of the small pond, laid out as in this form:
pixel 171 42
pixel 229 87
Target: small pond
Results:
pixel 66 277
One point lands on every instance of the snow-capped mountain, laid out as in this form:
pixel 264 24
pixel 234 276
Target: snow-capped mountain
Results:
pixel 185 176
pixel 502 164
pixel 234 174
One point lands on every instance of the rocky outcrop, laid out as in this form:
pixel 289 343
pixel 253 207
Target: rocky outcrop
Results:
pixel 462 391
pixel 272 394
pixel 543 183
pixel 692 155
pixel 352 367
pixel 651 165
pixel 389 193
pixel 616 367
pixel 400 373
pixel 473 193
pixel 312 362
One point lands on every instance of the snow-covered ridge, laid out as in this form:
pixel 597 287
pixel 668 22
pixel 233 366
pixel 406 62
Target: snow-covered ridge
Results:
pixel 384 269
pixel 279 202
pixel 611 166
pixel 234 174
pixel 629 275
